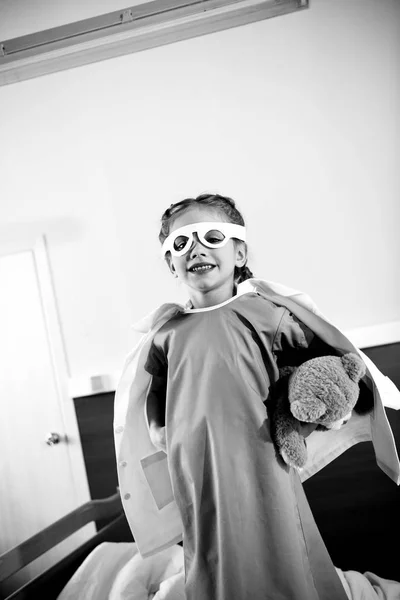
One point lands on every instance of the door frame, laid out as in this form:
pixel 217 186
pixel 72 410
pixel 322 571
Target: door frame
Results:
pixel 37 245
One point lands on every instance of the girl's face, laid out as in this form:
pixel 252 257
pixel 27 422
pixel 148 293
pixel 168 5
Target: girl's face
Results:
pixel 213 282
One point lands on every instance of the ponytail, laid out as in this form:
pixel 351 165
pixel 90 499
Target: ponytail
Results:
pixel 242 274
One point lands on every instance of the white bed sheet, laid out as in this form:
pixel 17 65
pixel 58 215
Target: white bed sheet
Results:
pixel 116 571
pixel 368 586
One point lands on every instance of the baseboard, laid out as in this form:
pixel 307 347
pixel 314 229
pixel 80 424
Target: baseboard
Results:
pixel 375 335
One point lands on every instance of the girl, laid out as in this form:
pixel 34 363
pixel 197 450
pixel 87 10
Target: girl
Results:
pixel 248 531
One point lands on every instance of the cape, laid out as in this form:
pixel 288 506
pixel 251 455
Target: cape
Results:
pixel 143 472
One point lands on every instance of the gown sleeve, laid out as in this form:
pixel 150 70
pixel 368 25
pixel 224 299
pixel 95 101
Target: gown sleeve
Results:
pixel 295 343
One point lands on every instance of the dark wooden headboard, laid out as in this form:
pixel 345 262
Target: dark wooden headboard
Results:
pixel 356 506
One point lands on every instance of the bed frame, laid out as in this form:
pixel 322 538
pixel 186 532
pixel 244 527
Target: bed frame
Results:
pixel 111 527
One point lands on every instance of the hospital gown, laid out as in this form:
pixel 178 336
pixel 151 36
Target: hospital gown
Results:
pixel 248 531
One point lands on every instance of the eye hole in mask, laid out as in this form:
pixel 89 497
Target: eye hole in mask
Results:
pixel 180 242
pixel 214 236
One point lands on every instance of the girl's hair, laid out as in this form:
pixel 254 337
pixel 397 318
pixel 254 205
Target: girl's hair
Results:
pixel 222 204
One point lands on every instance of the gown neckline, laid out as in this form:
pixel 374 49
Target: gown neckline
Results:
pixel 189 309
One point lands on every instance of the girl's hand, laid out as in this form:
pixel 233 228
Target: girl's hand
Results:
pixel 158 436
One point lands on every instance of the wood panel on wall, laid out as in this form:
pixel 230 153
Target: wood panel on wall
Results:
pixel 95 420
pixel 355 505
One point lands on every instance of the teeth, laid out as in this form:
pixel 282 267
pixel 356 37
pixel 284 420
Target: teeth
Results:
pixel 202 268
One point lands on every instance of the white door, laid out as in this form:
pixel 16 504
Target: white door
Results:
pixel 39 483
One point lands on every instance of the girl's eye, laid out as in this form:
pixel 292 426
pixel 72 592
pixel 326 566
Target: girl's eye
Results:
pixel 214 236
pixel 180 242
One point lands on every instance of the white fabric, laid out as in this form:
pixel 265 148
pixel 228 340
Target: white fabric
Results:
pixel 155 521
pixel 368 586
pixel 116 571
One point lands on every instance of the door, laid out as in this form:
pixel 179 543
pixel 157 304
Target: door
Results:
pixel 40 481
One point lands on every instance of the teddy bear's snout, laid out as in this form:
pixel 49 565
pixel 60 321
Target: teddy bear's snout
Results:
pixel 339 423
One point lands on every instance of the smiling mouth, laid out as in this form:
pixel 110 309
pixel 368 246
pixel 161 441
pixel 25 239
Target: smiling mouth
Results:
pixel 201 268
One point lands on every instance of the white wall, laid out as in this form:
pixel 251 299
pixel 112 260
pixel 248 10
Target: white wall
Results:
pixel 296 117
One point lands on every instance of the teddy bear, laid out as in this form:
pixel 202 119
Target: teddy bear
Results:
pixel 322 391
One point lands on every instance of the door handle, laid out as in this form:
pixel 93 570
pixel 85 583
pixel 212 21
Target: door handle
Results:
pixel 53 438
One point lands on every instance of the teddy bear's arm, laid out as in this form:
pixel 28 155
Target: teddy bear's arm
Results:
pixel 288 434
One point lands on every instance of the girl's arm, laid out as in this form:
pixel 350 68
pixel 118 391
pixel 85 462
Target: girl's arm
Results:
pixel 155 408
pixel 156 399
pixel 295 343
pixel 155 404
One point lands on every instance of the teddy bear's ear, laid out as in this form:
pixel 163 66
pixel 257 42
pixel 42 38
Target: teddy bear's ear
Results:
pixel 286 371
pixel 354 366
pixel 308 409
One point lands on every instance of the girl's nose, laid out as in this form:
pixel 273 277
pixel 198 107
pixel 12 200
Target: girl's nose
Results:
pixel 197 248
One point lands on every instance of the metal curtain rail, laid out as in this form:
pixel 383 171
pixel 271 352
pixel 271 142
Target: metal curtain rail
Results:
pixel 104 22
pixel 129 30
